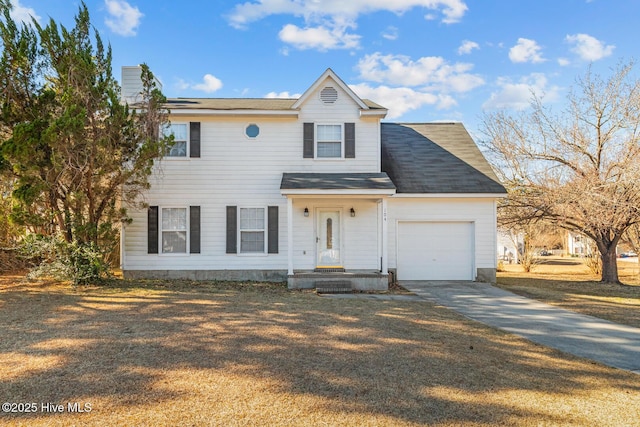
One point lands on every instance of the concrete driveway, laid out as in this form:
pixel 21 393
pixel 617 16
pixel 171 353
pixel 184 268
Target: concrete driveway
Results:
pixel 600 340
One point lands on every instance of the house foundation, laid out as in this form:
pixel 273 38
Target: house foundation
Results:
pixel 222 275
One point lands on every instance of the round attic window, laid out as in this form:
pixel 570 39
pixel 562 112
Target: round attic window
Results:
pixel 252 131
pixel 329 95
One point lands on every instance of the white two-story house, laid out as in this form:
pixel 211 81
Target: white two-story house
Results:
pixel 311 190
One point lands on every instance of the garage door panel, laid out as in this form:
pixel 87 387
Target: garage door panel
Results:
pixel 435 251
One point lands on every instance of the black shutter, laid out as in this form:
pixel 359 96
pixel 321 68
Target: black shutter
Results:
pixel 272 219
pixel 232 229
pixel 307 139
pixel 350 140
pixel 194 229
pixel 194 139
pixel 152 230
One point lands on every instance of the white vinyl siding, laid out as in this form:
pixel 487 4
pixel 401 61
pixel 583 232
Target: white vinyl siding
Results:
pixel 132 86
pixel 234 170
pixel 343 110
pixel 480 212
pixel 359 234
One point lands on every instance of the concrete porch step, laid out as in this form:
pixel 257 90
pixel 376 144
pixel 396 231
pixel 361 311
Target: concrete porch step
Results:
pixel 358 280
pixel 333 286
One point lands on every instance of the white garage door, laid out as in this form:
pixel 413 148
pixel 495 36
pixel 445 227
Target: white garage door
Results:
pixel 435 251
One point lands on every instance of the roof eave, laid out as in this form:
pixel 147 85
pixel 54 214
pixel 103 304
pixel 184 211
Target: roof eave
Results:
pixel 374 113
pixel 449 195
pixel 236 112
pixel 337 192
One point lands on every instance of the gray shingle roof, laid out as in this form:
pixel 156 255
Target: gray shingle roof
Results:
pixel 241 103
pixel 230 103
pixel 336 181
pixel 435 158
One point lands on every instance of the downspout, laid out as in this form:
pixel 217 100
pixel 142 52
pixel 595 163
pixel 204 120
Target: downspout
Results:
pixel 290 235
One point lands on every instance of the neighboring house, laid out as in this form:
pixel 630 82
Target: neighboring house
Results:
pixel 311 190
pixel 578 244
pixel 510 245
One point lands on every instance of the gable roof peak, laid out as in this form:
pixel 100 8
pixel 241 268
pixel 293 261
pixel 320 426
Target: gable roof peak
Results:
pixel 330 73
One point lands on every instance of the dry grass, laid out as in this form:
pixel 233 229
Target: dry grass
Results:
pixel 152 353
pixel 568 283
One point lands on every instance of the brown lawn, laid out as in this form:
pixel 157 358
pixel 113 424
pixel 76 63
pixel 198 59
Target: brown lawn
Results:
pixel 568 283
pixel 154 353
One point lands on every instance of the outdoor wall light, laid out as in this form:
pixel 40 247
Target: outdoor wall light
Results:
pixel 306 211
pixel 353 212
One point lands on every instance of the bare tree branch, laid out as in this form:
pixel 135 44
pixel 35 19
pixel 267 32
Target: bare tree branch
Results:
pixel 578 169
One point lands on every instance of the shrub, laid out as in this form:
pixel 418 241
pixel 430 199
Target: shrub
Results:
pixel 78 262
pixel 594 262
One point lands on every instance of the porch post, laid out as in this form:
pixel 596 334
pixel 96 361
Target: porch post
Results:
pixel 290 235
pixel 385 244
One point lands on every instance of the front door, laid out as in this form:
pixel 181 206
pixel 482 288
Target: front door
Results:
pixel 328 238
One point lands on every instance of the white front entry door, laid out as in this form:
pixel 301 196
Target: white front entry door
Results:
pixel 328 238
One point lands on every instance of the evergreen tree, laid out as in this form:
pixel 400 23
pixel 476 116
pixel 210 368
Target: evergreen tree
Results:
pixel 75 153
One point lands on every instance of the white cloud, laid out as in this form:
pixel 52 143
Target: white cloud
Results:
pixel 320 38
pixel 285 95
pixel 327 22
pixel 467 47
pixel 21 13
pixel 588 48
pixel 431 72
pixel 563 62
pixel 181 85
pixel 526 50
pixel 391 33
pixel 125 18
pixel 313 10
pixel 406 85
pixel 518 95
pixel 400 100
pixel 210 84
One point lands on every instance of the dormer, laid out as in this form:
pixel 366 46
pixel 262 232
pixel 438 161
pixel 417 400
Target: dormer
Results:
pixel 330 96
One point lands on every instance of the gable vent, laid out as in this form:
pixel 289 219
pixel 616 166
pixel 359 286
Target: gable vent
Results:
pixel 329 95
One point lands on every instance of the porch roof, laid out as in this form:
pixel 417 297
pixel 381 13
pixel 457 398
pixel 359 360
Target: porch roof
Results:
pixel 337 183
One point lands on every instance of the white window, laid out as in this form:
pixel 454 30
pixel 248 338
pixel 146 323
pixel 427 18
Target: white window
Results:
pixel 329 141
pixel 180 146
pixel 174 230
pixel 252 230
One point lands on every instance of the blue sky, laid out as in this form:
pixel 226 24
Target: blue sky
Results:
pixel 425 60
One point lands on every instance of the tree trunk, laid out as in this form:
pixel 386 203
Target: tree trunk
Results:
pixel 610 266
